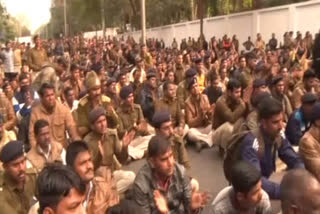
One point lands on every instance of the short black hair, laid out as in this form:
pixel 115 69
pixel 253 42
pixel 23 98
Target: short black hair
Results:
pixel 269 107
pixel 39 124
pixel 233 84
pixel 44 87
pixel 158 145
pixel 66 90
pixel 244 176
pixel 54 183
pixel 74 149
pixel 166 85
pixel 125 206
pixel 308 74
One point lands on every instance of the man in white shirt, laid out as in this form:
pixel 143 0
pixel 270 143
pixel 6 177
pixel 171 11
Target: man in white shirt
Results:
pixel 45 150
pixel 7 58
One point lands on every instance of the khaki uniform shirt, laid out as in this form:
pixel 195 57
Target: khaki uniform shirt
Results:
pixel 6 110
pixel 112 148
pixel 309 149
pixel 198 112
pixel 179 151
pixel 85 107
pixel 14 201
pixel 104 192
pixel 129 118
pixel 179 73
pixel 227 112
pixel 37 58
pixel 60 121
pixel 7 136
pixel 182 93
pixel 174 108
pixel 17 57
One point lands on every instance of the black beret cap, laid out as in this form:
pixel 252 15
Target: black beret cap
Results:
pixel 125 91
pixel 96 67
pixel 258 83
pixel 110 81
pixel 160 117
pixel 276 79
pixel 11 151
pixel 309 98
pixel 191 72
pixel 151 74
pixel 192 82
pixel 316 112
pixel 96 113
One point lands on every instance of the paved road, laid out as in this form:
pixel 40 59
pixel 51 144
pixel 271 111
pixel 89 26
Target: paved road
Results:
pixel 206 167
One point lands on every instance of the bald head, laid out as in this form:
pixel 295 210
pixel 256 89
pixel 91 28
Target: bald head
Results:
pixel 300 192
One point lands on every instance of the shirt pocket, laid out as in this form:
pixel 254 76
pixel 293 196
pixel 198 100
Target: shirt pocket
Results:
pixel 58 129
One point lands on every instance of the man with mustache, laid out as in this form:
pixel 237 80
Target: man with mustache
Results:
pixel 170 103
pixel 162 122
pixel 45 151
pixel 262 148
pixel 162 186
pixel 92 100
pixel 17 183
pixel 198 116
pixel 101 190
pixel 58 116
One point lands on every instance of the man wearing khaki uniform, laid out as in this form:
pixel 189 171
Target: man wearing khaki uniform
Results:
pixel 107 150
pixel 229 109
pixel 94 99
pixel 131 119
pixel 37 56
pixel 58 115
pixel 169 102
pixel 198 116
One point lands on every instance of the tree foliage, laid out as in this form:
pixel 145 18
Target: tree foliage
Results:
pixel 7 25
pixel 85 15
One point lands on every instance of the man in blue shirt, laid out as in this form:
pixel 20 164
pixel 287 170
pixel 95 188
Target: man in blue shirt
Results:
pixel 261 147
pixel 300 120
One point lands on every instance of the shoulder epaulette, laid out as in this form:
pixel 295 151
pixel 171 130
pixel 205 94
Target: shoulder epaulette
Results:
pixel 105 99
pixel 111 132
pixel 83 100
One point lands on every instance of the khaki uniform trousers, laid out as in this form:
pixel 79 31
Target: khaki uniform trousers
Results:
pixel 222 135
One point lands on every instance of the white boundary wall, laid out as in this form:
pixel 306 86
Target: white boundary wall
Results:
pixel 294 17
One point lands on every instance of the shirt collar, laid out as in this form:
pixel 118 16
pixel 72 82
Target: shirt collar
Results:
pixel 46 155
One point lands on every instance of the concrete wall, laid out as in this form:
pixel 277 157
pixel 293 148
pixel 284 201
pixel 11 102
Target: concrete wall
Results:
pixel 295 17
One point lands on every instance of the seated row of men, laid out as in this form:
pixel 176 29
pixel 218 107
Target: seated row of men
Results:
pixel 161 186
